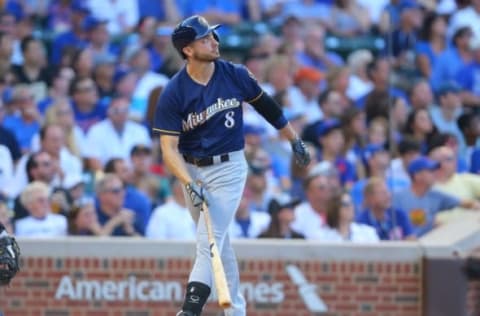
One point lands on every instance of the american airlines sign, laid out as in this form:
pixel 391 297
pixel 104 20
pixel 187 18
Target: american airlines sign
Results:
pixel 134 289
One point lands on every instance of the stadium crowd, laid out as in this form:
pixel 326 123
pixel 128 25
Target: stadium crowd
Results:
pixel 394 131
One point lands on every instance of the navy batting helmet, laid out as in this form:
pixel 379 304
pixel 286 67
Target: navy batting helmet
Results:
pixel 191 29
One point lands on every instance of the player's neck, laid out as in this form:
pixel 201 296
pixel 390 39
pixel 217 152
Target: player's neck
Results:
pixel 200 72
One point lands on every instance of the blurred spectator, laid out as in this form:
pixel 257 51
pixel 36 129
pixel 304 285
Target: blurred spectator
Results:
pixel 467 16
pixel 469 125
pixel 99 40
pixel 420 201
pixel 139 61
pixel 340 225
pixel 299 174
pixel 377 132
pixel 359 84
pixel 225 12
pixel 159 45
pixel 315 54
pixel 6 217
pixel 377 161
pixel 103 73
pixel 165 10
pixel 445 115
pixel 82 62
pixel 122 16
pixel 172 220
pixel 408 150
pixel 354 129
pixel 374 9
pixel 310 11
pixel 10 24
pixel 248 223
pixel 74 185
pixel 61 79
pixel 7 138
pixel 40 222
pixel 421 95
pixel 390 16
pixel 420 127
pixel 33 70
pixel 6 171
pixel 332 142
pixel 83 220
pixel 115 136
pixel 75 37
pixel 155 186
pixel 6 50
pixel 291 32
pixel 304 99
pixel 61 114
pixel 24 123
pixel 281 210
pixel 390 223
pixel 110 195
pixel 337 80
pixel 86 106
pixel 348 18
pixel 467 76
pixel 453 58
pixel 310 215
pixel 432 44
pixel 133 199
pixel 256 184
pixel 59 16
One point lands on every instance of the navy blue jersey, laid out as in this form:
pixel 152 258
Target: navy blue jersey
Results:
pixel 207 118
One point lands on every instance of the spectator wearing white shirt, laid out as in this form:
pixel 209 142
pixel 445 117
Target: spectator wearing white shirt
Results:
pixel 6 170
pixel 172 220
pixel 115 136
pixel 340 225
pixel 122 15
pixel 468 16
pixel 40 222
pixel 310 215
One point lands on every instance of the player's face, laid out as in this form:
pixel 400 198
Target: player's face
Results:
pixel 205 49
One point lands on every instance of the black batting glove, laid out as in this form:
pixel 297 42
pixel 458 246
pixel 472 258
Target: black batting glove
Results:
pixel 301 153
pixel 197 193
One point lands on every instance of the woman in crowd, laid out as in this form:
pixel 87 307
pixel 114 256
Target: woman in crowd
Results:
pixel 282 214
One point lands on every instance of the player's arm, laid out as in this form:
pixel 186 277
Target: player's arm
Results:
pixel 172 158
pixel 271 111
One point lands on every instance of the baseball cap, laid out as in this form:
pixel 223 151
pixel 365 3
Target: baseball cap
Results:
pixel 80 6
pixel 140 149
pixel 372 149
pixel 448 87
pixel 325 127
pixel 280 202
pixel 422 163
pixel 92 22
pixel 308 73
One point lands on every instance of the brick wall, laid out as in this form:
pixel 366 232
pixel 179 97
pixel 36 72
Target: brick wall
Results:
pixel 348 287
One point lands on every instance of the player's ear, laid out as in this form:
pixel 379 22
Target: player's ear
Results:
pixel 187 50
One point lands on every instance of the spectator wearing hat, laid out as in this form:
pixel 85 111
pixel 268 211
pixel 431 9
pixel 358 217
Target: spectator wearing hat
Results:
pixel 133 199
pixel 154 184
pixel 468 77
pixel 420 201
pixel 390 223
pixel 454 58
pixel 310 215
pixel 172 220
pixel 332 142
pixel 75 37
pixel 445 115
pixel 115 136
pixel 247 222
pixel 281 210
pixel 377 161
pixel 304 98
pixel 340 225
pixel 469 125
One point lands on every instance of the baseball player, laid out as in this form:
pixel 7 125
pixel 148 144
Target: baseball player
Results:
pixel 199 119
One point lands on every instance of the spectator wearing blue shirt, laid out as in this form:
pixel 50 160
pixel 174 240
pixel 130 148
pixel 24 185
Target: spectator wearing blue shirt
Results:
pixel 76 37
pixel 469 76
pixel 27 123
pixel 420 201
pixel 165 10
pixel 110 194
pixel 453 59
pixel 390 223
pixel 134 199
pixel 433 43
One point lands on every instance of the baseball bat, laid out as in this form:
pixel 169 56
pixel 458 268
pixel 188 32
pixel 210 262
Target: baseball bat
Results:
pixel 223 294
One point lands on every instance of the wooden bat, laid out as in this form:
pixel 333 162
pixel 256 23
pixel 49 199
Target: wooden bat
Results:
pixel 223 294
